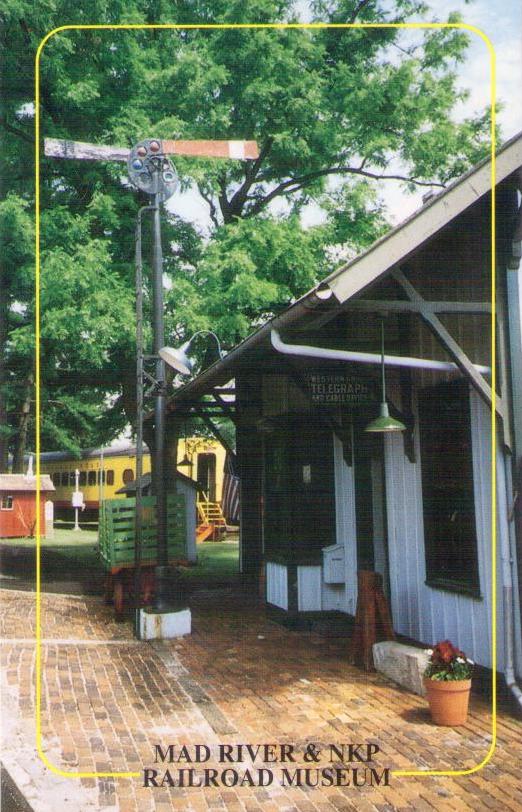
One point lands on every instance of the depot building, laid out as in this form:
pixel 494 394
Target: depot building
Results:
pixel 325 491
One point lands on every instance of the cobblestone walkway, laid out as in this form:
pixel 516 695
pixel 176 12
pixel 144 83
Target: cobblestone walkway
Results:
pixel 239 678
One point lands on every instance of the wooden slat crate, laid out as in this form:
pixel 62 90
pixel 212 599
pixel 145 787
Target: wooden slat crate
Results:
pixel 117 524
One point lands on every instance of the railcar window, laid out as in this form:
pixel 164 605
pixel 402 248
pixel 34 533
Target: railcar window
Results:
pixel 110 477
pixel 65 478
pixel 56 478
pixel 83 477
pixel 101 477
pixel 7 503
pixel 128 475
pixel 91 478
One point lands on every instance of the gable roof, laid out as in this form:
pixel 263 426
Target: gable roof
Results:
pixel 20 482
pixel 408 236
pixel 366 268
pixel 130 487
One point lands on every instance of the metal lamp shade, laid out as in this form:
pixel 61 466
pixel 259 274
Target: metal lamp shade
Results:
pixel 178 359
pixel 385 422
pixel 185 462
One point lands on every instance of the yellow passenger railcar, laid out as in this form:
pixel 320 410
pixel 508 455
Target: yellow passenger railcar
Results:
pixel 103 471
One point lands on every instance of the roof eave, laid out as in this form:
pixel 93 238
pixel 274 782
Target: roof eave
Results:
pixel 366 268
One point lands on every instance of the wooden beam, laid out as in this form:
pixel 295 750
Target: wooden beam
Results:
pixel 450 345
pixel 398 306
pixel 226 407
pixel 502 346
pixel 217 433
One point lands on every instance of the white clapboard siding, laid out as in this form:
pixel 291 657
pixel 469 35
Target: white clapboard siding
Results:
pixel 277 584
pixel 346 534
pixel 419 611
pixel 309 589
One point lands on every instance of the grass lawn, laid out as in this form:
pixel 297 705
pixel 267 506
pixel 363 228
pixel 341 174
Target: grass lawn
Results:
pixel 217 561
pixel 70 551
pixel 77 548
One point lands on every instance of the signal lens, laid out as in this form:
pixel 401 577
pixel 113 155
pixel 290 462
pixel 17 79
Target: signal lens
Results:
pixel 142 151
pixel 168 176
pixel 154 146
pixel 137 164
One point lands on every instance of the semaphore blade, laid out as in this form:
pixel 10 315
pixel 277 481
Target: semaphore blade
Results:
pixel 238 150
pixel 79 150
pixel 58 148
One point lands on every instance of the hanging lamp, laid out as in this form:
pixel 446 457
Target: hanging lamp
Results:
pixel 186 462
pixel 384 422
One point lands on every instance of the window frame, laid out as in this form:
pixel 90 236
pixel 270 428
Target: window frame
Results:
pixel 448 503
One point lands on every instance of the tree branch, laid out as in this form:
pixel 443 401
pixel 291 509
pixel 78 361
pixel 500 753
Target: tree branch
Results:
pixel 238 200
pixel 305 180
pixel 358 8
pixel 15 131
pixel 211 205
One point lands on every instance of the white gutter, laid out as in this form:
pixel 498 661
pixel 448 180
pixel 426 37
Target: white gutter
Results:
pixel 364 357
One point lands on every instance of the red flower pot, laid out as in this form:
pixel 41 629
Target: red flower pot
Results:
pixel 448 700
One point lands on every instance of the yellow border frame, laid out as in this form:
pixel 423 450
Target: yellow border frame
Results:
pixel 174 26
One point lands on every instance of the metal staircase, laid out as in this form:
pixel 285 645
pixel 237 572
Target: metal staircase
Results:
pixel 212 524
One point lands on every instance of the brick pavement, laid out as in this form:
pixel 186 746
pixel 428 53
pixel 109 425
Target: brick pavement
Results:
pixel 239 678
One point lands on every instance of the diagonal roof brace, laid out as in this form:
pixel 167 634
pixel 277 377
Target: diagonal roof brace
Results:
pixel 468 369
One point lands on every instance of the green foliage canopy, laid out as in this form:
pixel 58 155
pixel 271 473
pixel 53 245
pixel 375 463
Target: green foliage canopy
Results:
pixel 335 112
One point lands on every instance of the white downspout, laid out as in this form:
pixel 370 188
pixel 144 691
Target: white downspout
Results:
pixel 304 350
pixel 507 551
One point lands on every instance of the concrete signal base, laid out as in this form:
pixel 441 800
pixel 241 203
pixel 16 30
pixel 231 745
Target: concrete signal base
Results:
pixel 164 625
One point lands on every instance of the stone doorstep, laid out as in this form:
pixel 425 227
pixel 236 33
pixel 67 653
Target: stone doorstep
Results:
pixel 402 664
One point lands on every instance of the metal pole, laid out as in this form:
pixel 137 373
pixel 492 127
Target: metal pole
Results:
pixel 161 591
pixel 138 527
pixel 102 477
pixel 76 489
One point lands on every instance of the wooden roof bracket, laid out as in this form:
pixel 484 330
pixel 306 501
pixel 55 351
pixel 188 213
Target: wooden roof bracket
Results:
pixel 456 352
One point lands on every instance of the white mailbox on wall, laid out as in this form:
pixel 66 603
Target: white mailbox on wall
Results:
pixel 333 564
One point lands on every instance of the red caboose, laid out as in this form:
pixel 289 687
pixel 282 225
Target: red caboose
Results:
pixel 18 504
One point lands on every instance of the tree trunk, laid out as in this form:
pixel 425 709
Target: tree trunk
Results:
pixel 23 424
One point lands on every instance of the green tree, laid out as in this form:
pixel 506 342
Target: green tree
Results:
pixel 335 112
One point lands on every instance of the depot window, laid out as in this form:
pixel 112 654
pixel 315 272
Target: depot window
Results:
pixel 127 476
pixel 110 477
pixel 7 503
pixel 447 488
pixel 91 478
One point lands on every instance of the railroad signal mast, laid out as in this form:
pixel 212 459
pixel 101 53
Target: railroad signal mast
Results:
pixel 151 171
